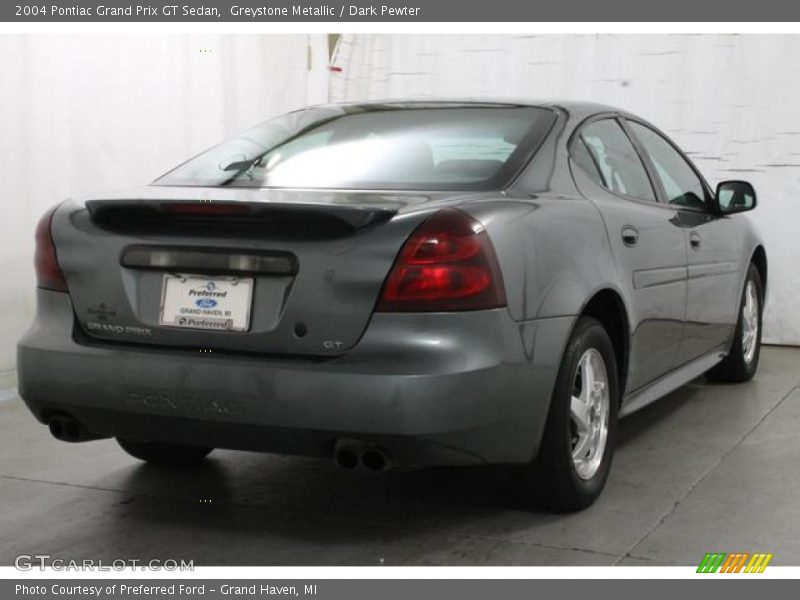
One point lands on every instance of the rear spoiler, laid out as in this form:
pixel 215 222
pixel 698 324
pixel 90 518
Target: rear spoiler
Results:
pixel 356 216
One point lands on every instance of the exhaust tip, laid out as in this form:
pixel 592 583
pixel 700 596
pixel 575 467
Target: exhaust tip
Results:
pixel 351 454
pixel 374 460
pixel 67 429
pixel 56 429
pixel 72 431
pixel 347 459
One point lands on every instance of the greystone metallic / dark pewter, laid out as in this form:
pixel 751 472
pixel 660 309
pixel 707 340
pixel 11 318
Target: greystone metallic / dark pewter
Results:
pixel 321 372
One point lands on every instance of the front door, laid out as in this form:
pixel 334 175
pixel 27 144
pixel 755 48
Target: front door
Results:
pixel 712 247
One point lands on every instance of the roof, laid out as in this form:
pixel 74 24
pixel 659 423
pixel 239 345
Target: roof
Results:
pixel 574 108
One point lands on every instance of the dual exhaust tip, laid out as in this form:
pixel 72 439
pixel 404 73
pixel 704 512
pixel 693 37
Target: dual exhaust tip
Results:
pixel 348 454
pixel 66 428
pixel 351 454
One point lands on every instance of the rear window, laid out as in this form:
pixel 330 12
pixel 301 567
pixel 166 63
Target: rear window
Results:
pixel 376 147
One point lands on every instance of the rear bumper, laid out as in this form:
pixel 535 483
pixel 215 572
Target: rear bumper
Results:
pixel 454 388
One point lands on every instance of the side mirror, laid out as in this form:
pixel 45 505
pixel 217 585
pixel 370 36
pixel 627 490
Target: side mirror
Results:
pixel 735 196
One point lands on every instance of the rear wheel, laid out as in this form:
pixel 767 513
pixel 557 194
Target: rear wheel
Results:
pixel 575 454
pixel 742 361
pixel 164 454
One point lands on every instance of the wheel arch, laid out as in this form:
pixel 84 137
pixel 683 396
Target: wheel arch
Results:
pixel 608 307
pixel 759 259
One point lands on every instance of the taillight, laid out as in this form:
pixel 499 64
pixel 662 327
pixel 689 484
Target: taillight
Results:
pixel 48 273
pixel 447 264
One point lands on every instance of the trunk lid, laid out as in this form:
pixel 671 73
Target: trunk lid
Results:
pixel 310 264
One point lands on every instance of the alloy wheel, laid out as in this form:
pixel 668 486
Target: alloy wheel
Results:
pixel 750 321
pixel 589 413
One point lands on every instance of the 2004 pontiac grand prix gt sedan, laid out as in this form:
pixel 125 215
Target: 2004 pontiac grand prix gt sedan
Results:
pixel 403 284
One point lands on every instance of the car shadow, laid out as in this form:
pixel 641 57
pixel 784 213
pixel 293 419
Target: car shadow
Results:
pixel 296 501
pixel 257 497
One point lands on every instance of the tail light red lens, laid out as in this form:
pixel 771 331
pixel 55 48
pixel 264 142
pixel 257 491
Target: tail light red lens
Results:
pixel 447 264
pixel 48 273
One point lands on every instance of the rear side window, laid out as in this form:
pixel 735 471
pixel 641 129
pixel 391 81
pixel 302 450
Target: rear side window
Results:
pixel 581 155
pixel 615 157
pixel 681 184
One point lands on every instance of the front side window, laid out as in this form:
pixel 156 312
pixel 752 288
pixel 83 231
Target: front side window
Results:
pixel 615 157
pixel 402 147
pixel 681 184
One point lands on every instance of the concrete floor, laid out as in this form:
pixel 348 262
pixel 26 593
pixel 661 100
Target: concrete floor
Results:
pixel 709 468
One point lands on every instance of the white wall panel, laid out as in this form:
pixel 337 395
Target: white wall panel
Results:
pixel 88 113
pixel 731 101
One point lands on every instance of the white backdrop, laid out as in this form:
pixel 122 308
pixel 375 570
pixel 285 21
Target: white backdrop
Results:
pixel 731 101
pixel 88 113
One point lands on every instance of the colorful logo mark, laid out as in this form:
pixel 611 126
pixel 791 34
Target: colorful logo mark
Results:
pixel 736 562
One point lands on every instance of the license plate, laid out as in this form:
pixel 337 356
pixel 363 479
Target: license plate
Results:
pixel 198 302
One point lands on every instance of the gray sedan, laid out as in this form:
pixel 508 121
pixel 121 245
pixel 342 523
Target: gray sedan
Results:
pixel 399 285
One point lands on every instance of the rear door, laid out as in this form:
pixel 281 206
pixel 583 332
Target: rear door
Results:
pixel 712 247
pixel 648 243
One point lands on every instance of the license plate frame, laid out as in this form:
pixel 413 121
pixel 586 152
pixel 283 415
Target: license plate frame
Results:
pixel 206 302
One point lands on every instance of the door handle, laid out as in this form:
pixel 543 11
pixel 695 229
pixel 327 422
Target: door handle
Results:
pixel 630 236
pixel 694 241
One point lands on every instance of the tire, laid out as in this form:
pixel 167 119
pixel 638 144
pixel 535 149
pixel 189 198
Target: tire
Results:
pixel 557 480
pixel 742 361
pixel 164 454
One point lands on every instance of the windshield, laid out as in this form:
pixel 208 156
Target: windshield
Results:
pixel 398 147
